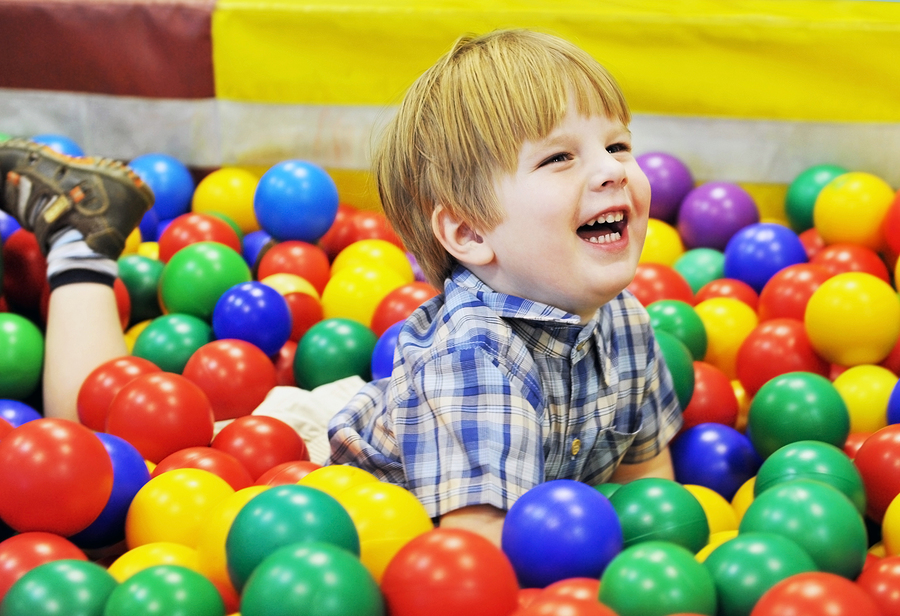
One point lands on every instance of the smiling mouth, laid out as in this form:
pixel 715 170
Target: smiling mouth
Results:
pixel 604 229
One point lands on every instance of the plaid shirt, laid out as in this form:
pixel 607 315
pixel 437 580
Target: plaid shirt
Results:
pixel 492 394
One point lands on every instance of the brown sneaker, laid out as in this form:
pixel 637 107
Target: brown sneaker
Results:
pixel 48 192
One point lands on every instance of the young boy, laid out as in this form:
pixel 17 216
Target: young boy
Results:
pixel 508 173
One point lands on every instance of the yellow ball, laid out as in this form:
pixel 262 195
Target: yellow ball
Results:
pixel 133 332
pixel 715 540
pixel 866 390
pixel 386 517
pixel 149 250
pixel 890 528
pixel 286 283
pixel 743 498
pixel 850 209
pixel 728 322
pixel 719 512
pixel 336 478
pixel 152 554
pixel 355 293
pixel 228 191
pixel 374 253
pixel 853 318
pixel 132 242
pixel 743 399
pixel 174 506
pixel 662 244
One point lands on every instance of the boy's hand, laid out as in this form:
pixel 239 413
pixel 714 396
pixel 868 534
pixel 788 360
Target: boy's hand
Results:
pixel 660 467
pixel 485 520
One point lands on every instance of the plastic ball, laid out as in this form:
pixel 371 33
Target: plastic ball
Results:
pixel 383 353
pixel 880 581
pixel 72 587
pixel 8 225
pixel 844 258
pixel 787 293
pixel 170 180
pixel 892 225
pixel 59 143
pixel 253 312
pixel 818 517
pixel 813 460
pixel 230 191
pixel 356 293
pixel 374 253
pixel 679 362
pixel 24 272
pixel 281 516
pixel 22 553
pixel 152 554
pixel 448 571
pixel 299 258
pixel 55 476
pixel 253 244
pixel 191 228
pixel 169 341
pixel 700 266
pixel 336 479
pixel 552 606
pixel 815 594
pixel 878 461
pixel 103 383
pixel 159 414
pixel 715 540
pixel 670 182
pixel 853 319
pixel 743 497
pixel 653 509
pixel 21 356
pixel 773 348
pixel 850 209
pixel 715 456
pixel 196 277
pixel 713 400
pixel 797 406
pixel 893 406
pixel 399 304
pixel 17 412
pixel 296 200
pixel 866 391
pixel 219 463
pixel 287 472
pixel 341 232
pixel 141 277
pixel 713 212
pixel 757 252
pixel 745 567
pixel 800 200
pixel 165 589
pixel 728 322
pixel 260 443
pixel 655 281
pixel 331 350
pixel 560 529
pixel 656 578
pixel 311 578
pixel 662 244
pixel 680 319
pixel 720 515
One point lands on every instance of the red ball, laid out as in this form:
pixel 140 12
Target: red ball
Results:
pixel 713 400
pixel 260 443
pixel 878 461
pixel 287 472
pixel 812 242
pixel 24 272
pixel 161 413
pixel 448 572
pixel 527 597
pixel 787 293
pixel 655 281
pixel 215 461
pixel 557 606
pixel 21 553
pixel 103 383
pixel 854 442
pixel 299 258
pixel 123 302
pixel 235 375
pixel 881 580
pixel 891 225
pixel 399 304
pixel 815 594
pixel 5 428
pixel 774 348
pixel 578 589
pixel 284 365
pixel 369 225
pixel 306 311
pixel 194 227
pixel 340 234
pixel 892 361
pixel 844 258
pixel 728 287
pixel 55 476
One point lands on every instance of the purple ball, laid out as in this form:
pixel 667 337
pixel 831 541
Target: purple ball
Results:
pixel 757 252
pixel 670 182
pixel 712 213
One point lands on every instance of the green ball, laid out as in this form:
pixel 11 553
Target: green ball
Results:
pixel 682 321
pixel 21 356
pixel 700 266
pixel 141 277
pixel 608 489
pixel 745 567
pixel 170 340
pixel 198 275
pixel 657 578
pixel 172 590
pixel 69 587
pixel 230 221
pixel 311 578
pixel 334 349
pixel 281 516
pixel 680 363
pixel 800 200
pixel 653 509
pixel 813 460
pixel 816 516
pixel 797 406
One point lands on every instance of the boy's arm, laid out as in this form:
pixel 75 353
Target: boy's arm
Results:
pixel 660 466
pixel 485 520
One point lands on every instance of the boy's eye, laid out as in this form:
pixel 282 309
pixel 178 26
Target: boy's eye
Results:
pixel 618 147
pixel 556 158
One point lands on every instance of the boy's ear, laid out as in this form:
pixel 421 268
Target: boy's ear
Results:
pixel 459 238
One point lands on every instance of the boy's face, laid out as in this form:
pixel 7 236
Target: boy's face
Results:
pixel 576 211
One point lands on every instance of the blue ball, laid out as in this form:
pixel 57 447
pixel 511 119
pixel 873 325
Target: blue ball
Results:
pixel 383 354
pixel 161 227
pixel 757 252
pixel 8 226
pixel 560 529
pixel 149 226
pixel 893 407
pixel 253 243
pixel 715 456
pixel 296 200
pixel 170 180
pixel 253 312
pixel 60 143
pixel 17 413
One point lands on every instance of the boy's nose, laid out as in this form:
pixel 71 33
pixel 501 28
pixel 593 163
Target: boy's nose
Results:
pixel 608 173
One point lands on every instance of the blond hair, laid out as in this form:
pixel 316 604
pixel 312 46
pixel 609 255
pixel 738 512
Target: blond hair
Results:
pixel 464 121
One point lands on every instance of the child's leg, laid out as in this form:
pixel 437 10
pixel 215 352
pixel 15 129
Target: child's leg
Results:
pixel 81 210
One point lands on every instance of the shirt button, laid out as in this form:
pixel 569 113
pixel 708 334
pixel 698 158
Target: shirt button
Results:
pixel 576 447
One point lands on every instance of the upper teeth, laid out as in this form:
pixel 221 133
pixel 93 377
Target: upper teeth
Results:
pixel 611 217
